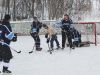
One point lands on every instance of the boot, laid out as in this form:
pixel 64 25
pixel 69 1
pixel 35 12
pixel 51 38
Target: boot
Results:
pixel 58 47
pixel 5 70
pixel 38 49
pixel 72 47
pixel 63 48
pixel 51 49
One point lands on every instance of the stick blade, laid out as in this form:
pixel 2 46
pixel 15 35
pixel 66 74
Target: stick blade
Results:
pixel 19 52
pixel 30 52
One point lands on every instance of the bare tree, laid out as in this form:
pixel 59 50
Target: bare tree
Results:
pixel 23 9
pixel 55 8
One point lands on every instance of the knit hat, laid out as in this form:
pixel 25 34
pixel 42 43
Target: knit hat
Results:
pixel 7 17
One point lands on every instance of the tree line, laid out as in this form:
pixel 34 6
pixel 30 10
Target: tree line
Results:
pixel 44 9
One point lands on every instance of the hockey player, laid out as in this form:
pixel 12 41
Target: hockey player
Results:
pixel 35 27
pixel 51 36
pixel 77 40
pixel 76 37
pixel 66 25
pixel 6 36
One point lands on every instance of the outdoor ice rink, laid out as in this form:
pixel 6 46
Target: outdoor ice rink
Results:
pixel 81 61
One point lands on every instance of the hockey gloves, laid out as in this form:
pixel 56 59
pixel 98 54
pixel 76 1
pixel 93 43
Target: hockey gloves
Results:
pixel 48 39
pixel 15 37
pixel 46 35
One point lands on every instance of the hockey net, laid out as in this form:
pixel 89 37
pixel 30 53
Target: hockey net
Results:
pixel 87 29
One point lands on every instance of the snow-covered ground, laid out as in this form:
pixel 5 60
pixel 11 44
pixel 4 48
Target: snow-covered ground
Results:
pixel 81 61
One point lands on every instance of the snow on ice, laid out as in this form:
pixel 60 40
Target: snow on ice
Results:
pixel 81 61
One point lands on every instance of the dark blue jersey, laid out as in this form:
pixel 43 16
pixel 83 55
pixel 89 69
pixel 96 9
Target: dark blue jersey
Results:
pixel 7 24
pixel 66 24
pixel 6 33
pixel 36 26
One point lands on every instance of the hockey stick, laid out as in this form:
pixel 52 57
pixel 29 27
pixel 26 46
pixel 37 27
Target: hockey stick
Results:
pixel 32 49
pixel 15 50
pixel 10 47
pixel 33 46
pixel 49 49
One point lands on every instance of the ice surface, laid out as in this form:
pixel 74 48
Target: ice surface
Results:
pixel 81 61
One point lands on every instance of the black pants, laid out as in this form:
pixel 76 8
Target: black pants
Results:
pixel 36 39
pixel 4 60
pixel 63 39
pixel 5 53
pixel 54 38
pixel 70 37
pixel 67 35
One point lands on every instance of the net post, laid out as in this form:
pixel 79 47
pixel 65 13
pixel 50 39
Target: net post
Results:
pixel 95 32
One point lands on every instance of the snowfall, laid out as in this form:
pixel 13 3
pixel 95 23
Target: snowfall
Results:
pixel 81 61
